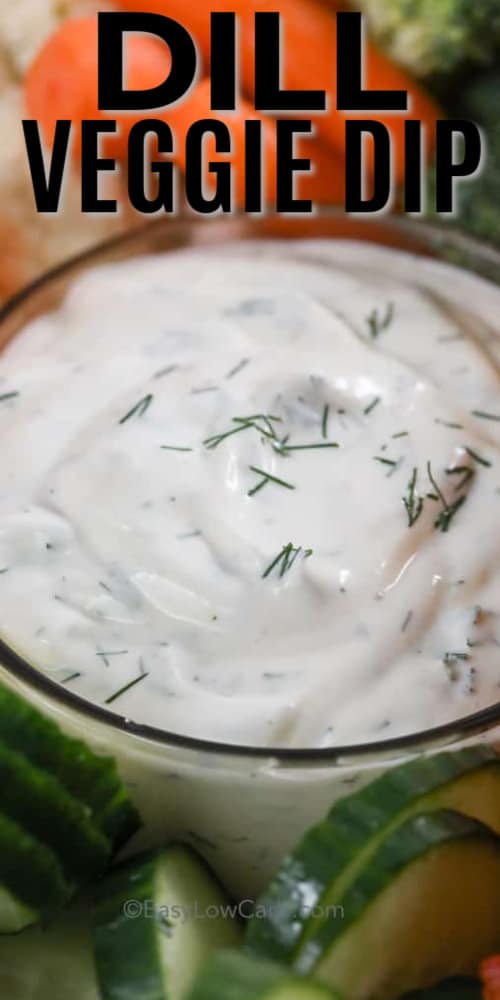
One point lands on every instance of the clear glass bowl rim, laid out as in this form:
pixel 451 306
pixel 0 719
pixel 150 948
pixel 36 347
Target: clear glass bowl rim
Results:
pixel 436 240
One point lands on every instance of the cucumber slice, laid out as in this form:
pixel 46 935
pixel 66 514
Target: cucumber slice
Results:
pixel 157 920
pixel 460 988
pixel 85 775
pixel 53 963
pixel 428 907
pixel 316 876
pixel 32 883
pixel 40 804
pixel 231 975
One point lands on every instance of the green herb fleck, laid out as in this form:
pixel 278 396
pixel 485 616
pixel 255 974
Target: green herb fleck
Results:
pixel 486 416
pixel 125 688
pixel 267 478
pixel 378 322
pixel 285 559
pixel 371 406
pixel 447 423
pixel 478 458
pixel 401 434
pixel 324 422
pixel 171 447
pixel 413 502
pixel 252 422
pixel 446 515
pixel 285 448
pixel 139 409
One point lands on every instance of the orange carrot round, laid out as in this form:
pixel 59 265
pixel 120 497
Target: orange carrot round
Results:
pixel 310 31
pixel 324 184
pixel 490 975
pixel 62 81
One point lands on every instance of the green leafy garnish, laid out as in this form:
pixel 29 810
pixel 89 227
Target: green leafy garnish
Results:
pixel 139 409
pixel 324 421
pixel 267 478
pixel 127 687
pixel 413 502
pixel 285 559
pixel 9 395
pixel 378 322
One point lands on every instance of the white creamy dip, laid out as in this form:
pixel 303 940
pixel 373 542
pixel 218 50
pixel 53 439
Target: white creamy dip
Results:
pixel 350 597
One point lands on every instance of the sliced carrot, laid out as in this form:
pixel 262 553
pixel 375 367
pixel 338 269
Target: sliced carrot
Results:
pixel 62 81
pixel 310 31
pixel 325 184
pixel 490 975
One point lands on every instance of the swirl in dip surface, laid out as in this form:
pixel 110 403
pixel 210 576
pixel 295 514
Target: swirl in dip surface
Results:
pixel 326 573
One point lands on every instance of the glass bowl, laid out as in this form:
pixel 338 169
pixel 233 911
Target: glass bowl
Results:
pixel 242 807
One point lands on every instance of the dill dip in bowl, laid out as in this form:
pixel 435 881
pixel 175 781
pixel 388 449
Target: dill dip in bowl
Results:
pixel 248 520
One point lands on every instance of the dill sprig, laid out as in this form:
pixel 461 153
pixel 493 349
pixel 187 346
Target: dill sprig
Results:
pixel 384 461
pixel 449 423
pixel 171 447
pixel 465 472
pixel 324 421
pixel 478 458
pixel 139 409
pixel 285 559
pixel 267 478
pixel 378 322
pixel 252 422
pixel 486 416
pixel 284 448
pixel 446 515
pixel 371 406
pixel 127 687
pixel 413 502
pixel 9 395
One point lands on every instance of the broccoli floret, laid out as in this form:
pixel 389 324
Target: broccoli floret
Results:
pixel 435 37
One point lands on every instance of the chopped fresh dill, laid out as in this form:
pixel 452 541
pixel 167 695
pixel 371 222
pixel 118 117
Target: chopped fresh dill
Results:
pixel 478 458
pixel 486 416
pixel 252 422
pixel 371 406
pixel 446 515
pixel 285 559
pixel 171 447
pixel 407 621
pixel 384 461
pixel 401 434
pixel 324 421
pixel 4 570
pixel 165 371
pixel 139 409
pixel 125 688
pixel 465 472
pixel 286 448
pixel 378 322
pixel 413 502
pixel 204 388
pixel 72 677
pixel 112 652
pixel 447 423
pixel 9 395
pixel 451 657
pixel 238 368
pixel 267 478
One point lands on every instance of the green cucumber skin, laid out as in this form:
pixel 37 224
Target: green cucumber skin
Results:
pixel 30 871
pixel 85 775
pixel 460 988
pixel 124 943
pixel 232 975
pixel 39 803
pixel 410 842
pixel 328 848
